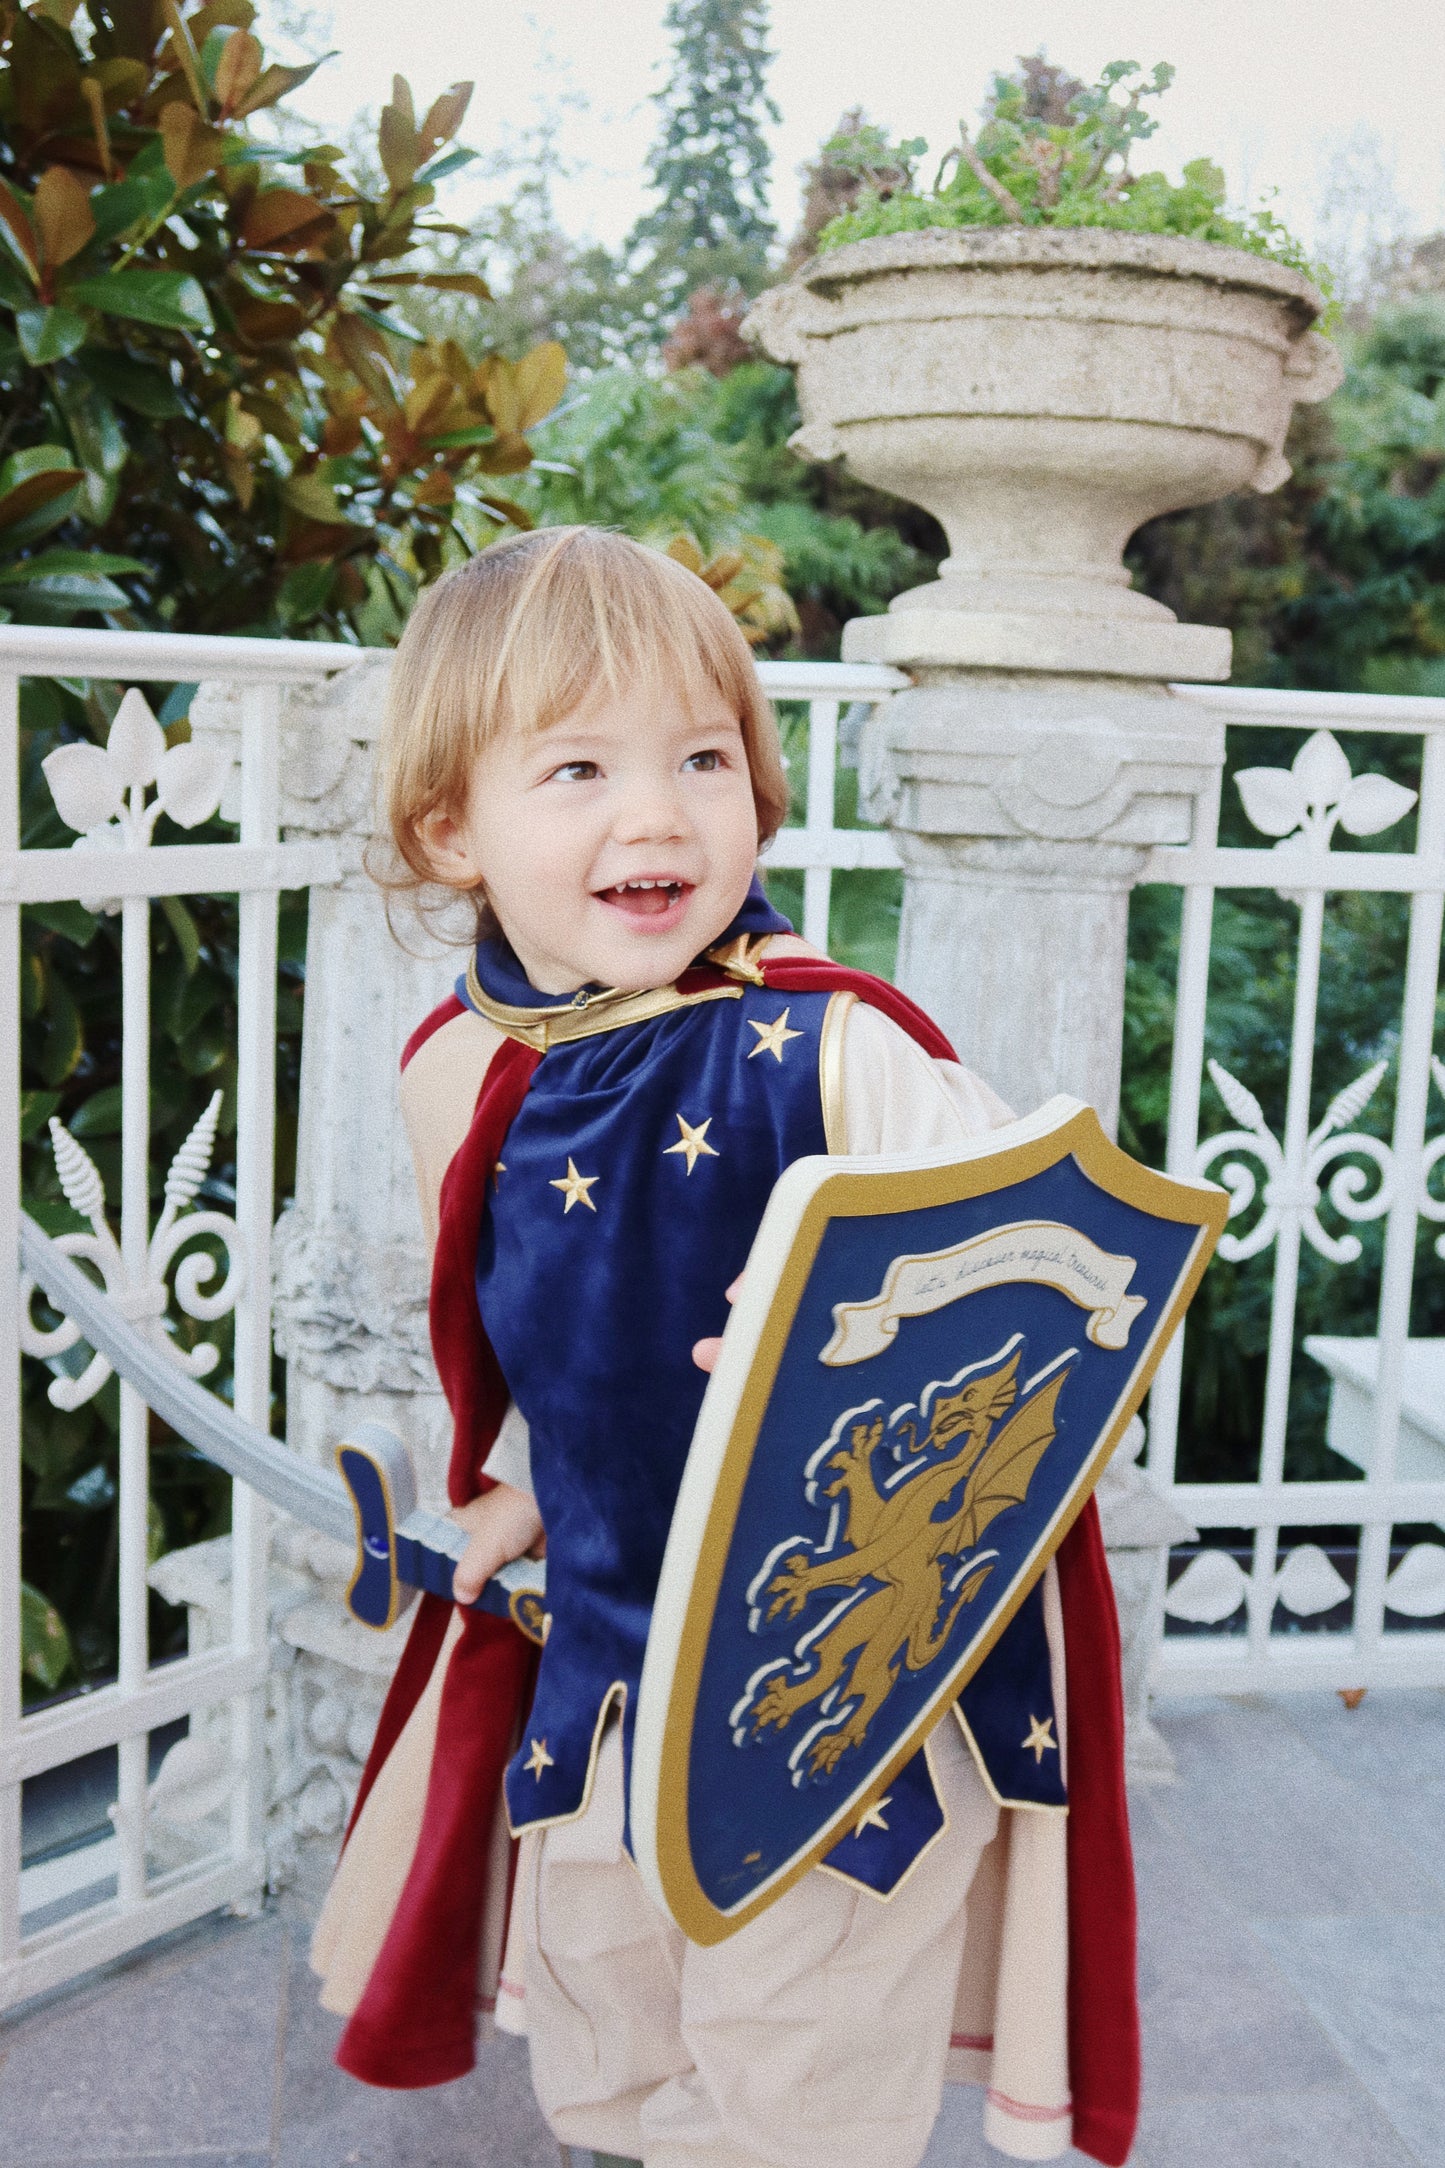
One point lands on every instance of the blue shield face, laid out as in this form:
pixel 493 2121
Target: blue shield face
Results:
pixel 944 1362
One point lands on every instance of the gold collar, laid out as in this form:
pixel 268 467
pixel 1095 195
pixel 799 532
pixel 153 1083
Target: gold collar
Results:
pixel 585 1016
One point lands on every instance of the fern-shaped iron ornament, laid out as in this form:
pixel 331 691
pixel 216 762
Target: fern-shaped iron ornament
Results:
pixel 145 1299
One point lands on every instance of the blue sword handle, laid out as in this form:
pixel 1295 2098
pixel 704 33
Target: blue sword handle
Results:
pixel 401 1548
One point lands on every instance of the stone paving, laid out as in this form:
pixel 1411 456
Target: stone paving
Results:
pixel 1293 1965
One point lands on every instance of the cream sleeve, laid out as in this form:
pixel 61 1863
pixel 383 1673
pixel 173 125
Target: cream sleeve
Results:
pixel 896 1098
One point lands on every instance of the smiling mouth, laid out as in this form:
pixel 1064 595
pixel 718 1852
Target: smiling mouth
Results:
pixel 660 898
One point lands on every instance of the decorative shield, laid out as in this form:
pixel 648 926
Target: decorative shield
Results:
pixel 928 1366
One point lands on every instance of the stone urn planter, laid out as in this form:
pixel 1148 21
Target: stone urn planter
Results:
pixel 1044 391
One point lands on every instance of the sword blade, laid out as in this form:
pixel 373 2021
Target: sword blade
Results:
pixel 427 1546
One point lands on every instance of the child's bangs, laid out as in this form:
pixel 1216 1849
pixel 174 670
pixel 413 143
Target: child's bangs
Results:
pixel 611 625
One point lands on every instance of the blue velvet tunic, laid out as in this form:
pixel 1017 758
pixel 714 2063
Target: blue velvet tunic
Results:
pixel 632 1182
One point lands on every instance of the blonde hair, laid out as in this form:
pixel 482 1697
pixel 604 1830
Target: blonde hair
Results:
pixel 527 632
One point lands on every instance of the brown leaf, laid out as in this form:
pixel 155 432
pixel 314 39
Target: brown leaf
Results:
pixel 36 490
pixel 237 69
pixel 94 98
pixel 16 217
pixel 441 282
pixel 220 15
pixel 723 568
pixel 121 81
pixel 396 138
pixel 685 550
pixel 267 323
pixel 273 84
pixel 495 382
pixel 241 475
pixel 361 347
pixel 506 454
pixel 444 117
pixel 341 434
pixel 243 431
pixel 62 215
pixel 436 489
pixel 511 510
pixel 192 150
pixel 284 218
pixel 541 381
pixel 426 402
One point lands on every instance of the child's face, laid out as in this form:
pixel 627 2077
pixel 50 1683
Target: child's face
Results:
pixel 615 846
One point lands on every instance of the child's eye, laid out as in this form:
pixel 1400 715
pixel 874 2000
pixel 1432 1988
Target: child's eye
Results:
pixel 575 771
pixel 704 763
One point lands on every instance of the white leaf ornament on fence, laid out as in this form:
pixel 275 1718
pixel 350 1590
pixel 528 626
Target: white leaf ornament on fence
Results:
pixel 1432 1207
pixel 101 791
pixel 145 1300
pixel 1416 1588
pixel 1348 1192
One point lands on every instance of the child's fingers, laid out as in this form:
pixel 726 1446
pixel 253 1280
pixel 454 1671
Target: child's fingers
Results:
pixel 705 1352
pixel 503 1525
pixel 478 1563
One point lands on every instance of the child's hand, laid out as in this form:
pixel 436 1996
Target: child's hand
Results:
pixel 503 1525
pixel 706 1352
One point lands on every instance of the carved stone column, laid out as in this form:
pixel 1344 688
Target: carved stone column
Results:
pixel 349 1262
pixel 1023 804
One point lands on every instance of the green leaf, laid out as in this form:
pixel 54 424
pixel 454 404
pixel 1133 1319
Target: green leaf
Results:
pixel 36 1109
pixel 48 335
pixel 70 920
pixel 97 561
pixel 393 324
pixel 186 931
pixel 134 201
pixel 99 440
pixel 15 291
pixel 35 459
pixel 99 1116
pixel 36 497
pixel 172 300
pixel 132 384
pixel 87 590
pixel 44 1643
pixel 455 440
pixel 449 162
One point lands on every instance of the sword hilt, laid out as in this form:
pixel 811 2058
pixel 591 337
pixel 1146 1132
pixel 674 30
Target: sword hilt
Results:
pixel 401 1548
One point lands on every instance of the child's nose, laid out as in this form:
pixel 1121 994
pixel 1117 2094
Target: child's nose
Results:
pixel 652 812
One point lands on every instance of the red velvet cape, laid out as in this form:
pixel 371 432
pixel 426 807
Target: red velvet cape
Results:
pixel 415 2024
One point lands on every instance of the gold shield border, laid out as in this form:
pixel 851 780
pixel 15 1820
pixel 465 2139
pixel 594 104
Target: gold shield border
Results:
pixel 844 1195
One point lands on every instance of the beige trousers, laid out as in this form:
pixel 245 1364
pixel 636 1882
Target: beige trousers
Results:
pixel 814 2038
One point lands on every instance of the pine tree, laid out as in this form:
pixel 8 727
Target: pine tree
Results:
pixel 710 164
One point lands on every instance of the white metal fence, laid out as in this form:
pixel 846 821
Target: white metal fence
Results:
pixel 1264 1602
pixel 61 1914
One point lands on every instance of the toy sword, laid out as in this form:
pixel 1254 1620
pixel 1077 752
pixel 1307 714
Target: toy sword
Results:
pixel 400 1547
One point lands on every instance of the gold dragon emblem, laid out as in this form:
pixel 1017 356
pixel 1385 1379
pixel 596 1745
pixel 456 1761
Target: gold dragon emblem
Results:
pixel 925 1567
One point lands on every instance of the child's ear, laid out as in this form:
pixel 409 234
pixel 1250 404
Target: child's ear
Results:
pixel 448 854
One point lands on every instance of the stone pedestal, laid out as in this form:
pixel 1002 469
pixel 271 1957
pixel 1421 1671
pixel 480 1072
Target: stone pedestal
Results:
pixel 1022 803
pixel 1043 392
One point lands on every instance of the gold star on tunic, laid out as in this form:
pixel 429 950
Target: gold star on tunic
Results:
pixel 873 1818
pixel 574 1187
pixel 773 1037
pixel 539 1759
pixel 693 1142
pixel 1038 1739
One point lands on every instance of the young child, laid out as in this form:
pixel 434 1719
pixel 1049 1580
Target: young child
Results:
pixel 577 741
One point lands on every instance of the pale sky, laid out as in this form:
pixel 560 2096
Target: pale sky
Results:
pixel 1274 89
